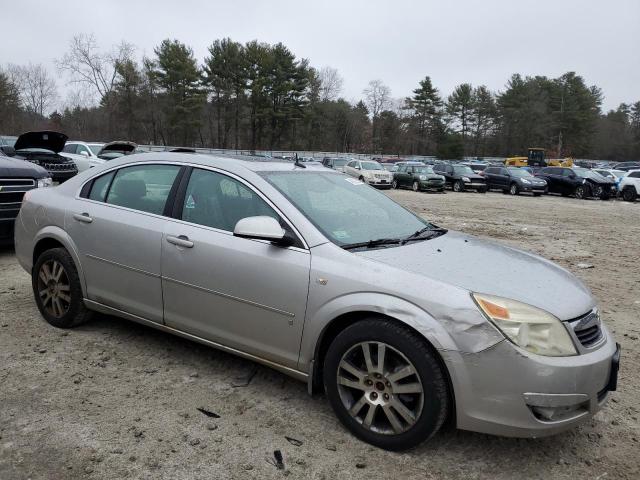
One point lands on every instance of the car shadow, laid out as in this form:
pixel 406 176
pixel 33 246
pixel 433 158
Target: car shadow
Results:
pixel 206 359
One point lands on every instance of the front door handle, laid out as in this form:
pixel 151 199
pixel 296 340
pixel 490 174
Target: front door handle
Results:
pixel 180 241
pixel 83 217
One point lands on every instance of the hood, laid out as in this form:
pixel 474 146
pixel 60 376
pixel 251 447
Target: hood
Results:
pixel 48 140
pixel 471 176
pixel 118 146
pixel 17 168
pixel 486 267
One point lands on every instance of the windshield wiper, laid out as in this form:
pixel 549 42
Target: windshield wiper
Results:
pixel 373 243
pixel 420 234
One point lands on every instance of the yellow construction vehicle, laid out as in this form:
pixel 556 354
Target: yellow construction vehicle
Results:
pixel 535 158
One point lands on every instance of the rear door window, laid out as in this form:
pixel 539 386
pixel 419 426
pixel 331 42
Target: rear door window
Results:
pixel 143 187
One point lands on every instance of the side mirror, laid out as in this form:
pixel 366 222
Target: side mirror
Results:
pixel 84 154
pixel 262 228
pixel 9 151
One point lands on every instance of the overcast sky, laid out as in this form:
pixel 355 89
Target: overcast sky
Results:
pixel 397 41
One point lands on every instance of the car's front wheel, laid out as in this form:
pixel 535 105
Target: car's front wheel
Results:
pixel 458 186
pixel 513 190
pixel 629 194
pixel 580 192
pixel 415 186
pixel 57 290
pixel 385 384
pixel 394 184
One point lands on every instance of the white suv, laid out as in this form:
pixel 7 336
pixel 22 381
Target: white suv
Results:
pixel 629 186
pixel 84 155
pixel 370 172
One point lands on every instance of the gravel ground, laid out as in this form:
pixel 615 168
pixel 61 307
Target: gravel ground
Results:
pixel 113 399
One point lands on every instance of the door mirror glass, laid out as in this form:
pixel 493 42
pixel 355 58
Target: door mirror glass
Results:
pixel 261 228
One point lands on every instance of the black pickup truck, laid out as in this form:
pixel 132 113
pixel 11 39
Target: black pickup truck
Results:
pixel 43 149
pixel 16 178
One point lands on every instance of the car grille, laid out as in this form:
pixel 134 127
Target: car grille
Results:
pixel 381 175
pixel 12 191
pixel 59 167
pixel 587 328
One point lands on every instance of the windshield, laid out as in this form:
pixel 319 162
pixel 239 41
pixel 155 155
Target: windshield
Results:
pixel 517 172
pixel 586 173
pixel 344 209
pixel 95 148
pixel 340 162
pixel 463 170
pixel 371 166
pixel 427 170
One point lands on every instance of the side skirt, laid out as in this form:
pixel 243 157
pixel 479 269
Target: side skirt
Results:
pixel 101 308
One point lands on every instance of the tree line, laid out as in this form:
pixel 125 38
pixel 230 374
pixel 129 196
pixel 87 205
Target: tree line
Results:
pixel 259 96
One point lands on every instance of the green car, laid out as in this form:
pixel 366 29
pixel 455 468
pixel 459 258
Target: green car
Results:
pixel 418 177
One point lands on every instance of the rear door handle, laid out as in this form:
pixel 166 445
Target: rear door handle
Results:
pixel 83 217
pixel 180 241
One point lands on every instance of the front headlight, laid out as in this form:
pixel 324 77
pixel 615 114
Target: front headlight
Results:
pixel 528 327
pixel 525 181
pixel 466 179
pixel 423 177
pixel 44 182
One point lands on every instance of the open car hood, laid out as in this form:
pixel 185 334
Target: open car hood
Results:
pixel 118 146
pixel 45 139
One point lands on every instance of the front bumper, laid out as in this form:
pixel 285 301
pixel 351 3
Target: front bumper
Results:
pixel 380 182
pixel 533 188
pixel 475 186
pixel 432 184
pixel 507 391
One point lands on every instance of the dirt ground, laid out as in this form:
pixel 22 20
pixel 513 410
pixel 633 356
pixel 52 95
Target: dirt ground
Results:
pixel 113 399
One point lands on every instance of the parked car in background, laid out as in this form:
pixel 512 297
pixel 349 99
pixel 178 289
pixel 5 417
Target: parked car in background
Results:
pixel 514 180
pixel 614 175
pixel 43 148
pixel 461 177
pixel 478 168
pixel 369 172
pixel 337 163
pixel 577 181
pixel 626 166
pixel 389 167
pixel 629 186
pixel 418 177
pixel 404 325
pixel 16 178
pixel 8 141
pixel 85 155
pixel 117 149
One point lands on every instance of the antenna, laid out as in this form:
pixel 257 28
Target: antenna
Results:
pixel 297 162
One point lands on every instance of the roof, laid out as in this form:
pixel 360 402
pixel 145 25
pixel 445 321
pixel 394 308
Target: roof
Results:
pixel 254 164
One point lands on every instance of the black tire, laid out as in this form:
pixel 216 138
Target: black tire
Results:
pixel 580 192
pixel 415 186
pixel 513 189
pixel 361 178
pixel 75 312
pixel 436 397
pixel 394 184
pixel 458 186
pixel 629 194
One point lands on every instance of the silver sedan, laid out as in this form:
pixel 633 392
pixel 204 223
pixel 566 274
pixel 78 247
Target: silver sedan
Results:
pixel 401 323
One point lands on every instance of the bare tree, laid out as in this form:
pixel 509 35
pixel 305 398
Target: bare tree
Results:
pixel 330 84
pixel 377 97
pixel 38 90
pixel 87 66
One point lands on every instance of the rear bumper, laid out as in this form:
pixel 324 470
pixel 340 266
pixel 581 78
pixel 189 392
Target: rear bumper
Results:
pixel 507 391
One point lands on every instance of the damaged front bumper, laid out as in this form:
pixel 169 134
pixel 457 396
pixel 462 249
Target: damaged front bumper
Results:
pixel 507 391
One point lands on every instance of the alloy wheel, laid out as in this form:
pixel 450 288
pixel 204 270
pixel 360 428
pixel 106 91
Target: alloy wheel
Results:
pixel 394 184
pixel 514 189
pixel 416 187
pixel 380 388
pixel 457 187
pixel 54 288
pixel 580 192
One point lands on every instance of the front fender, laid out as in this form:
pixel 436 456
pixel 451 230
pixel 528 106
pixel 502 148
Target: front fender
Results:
pixel 406 312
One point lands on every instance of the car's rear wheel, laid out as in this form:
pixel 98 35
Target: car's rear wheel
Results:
pixel 513 189
pixel 415 186
pixel 57 290
pixel 385 384
pixel 629 194
pixel 458 186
